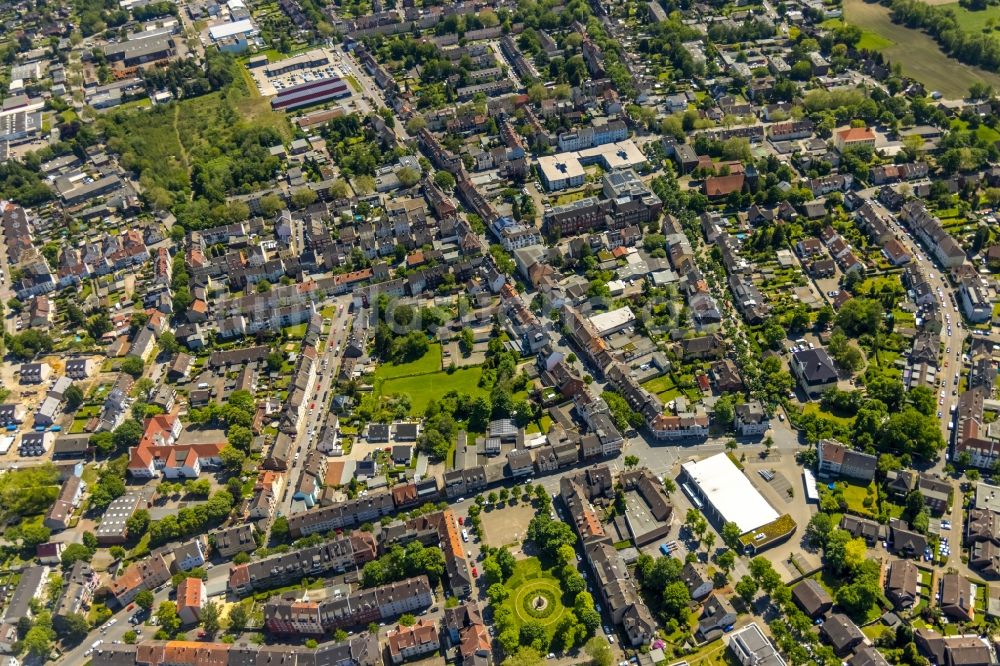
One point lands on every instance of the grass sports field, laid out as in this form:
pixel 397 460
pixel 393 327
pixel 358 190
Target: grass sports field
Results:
pixel 918 54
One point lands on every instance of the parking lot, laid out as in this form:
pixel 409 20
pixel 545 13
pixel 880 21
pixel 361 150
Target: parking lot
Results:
pixel 310 66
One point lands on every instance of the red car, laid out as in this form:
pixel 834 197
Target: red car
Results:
pixel 461 520
pixel 475 572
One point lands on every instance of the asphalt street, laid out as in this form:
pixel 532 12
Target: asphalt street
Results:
pixel 319 402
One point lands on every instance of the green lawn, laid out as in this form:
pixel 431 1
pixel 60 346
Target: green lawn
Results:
pixel 869 41
pixel 432 386
pixel 854 495
pixel 658 384
pixel 874 631
pixel 296 331
pixel 815 408
pixel 426 364
pixel 528 583
pixel 545 423
pixel 143 103
pixel 663 387
pixel 564 199
pixel 354 83
pixel 973 21
pixel 917 53
pixel 274 55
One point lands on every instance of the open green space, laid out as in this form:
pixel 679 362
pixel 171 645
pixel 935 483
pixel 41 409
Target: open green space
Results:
pixel 426 364
pixel 974 20
pixel 817 409
pixel 296 330
pixel 854 495
pixel 222 137
pixel 535 595
pixel 870 41
pixel 433 386
pixel 918 54
pixel 664 387
pixel 984 132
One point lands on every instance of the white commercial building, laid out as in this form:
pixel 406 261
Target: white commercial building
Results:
pixel 608 323
pixel 244 28
pixel 726 493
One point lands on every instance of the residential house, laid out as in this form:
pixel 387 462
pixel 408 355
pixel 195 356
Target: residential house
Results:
pixel 147 574
pixel 697 580
pixel 905 542
pixel 814 370
pixel 836 459
pixel 842 634
pixel 191 599
pixel 866 655
pixel 413 641
pixel 717 616
pixel 810 596
pixel 190 555
pixel 957 599
pixel 902 584
pixel 751 419
pixel 229 541
pixel 80 368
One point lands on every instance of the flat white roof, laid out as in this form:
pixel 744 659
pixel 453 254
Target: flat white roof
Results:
pixel 224 30
pixel 610 321
pixel 730 492
pixel 561 166
pixel 621 155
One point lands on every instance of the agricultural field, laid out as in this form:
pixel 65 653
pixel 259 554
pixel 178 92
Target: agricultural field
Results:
pixel 918 54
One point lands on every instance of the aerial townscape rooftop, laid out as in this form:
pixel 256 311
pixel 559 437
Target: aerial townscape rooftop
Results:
pixel 499 332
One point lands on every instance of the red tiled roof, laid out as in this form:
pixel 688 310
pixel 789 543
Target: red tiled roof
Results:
pixel 856 134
